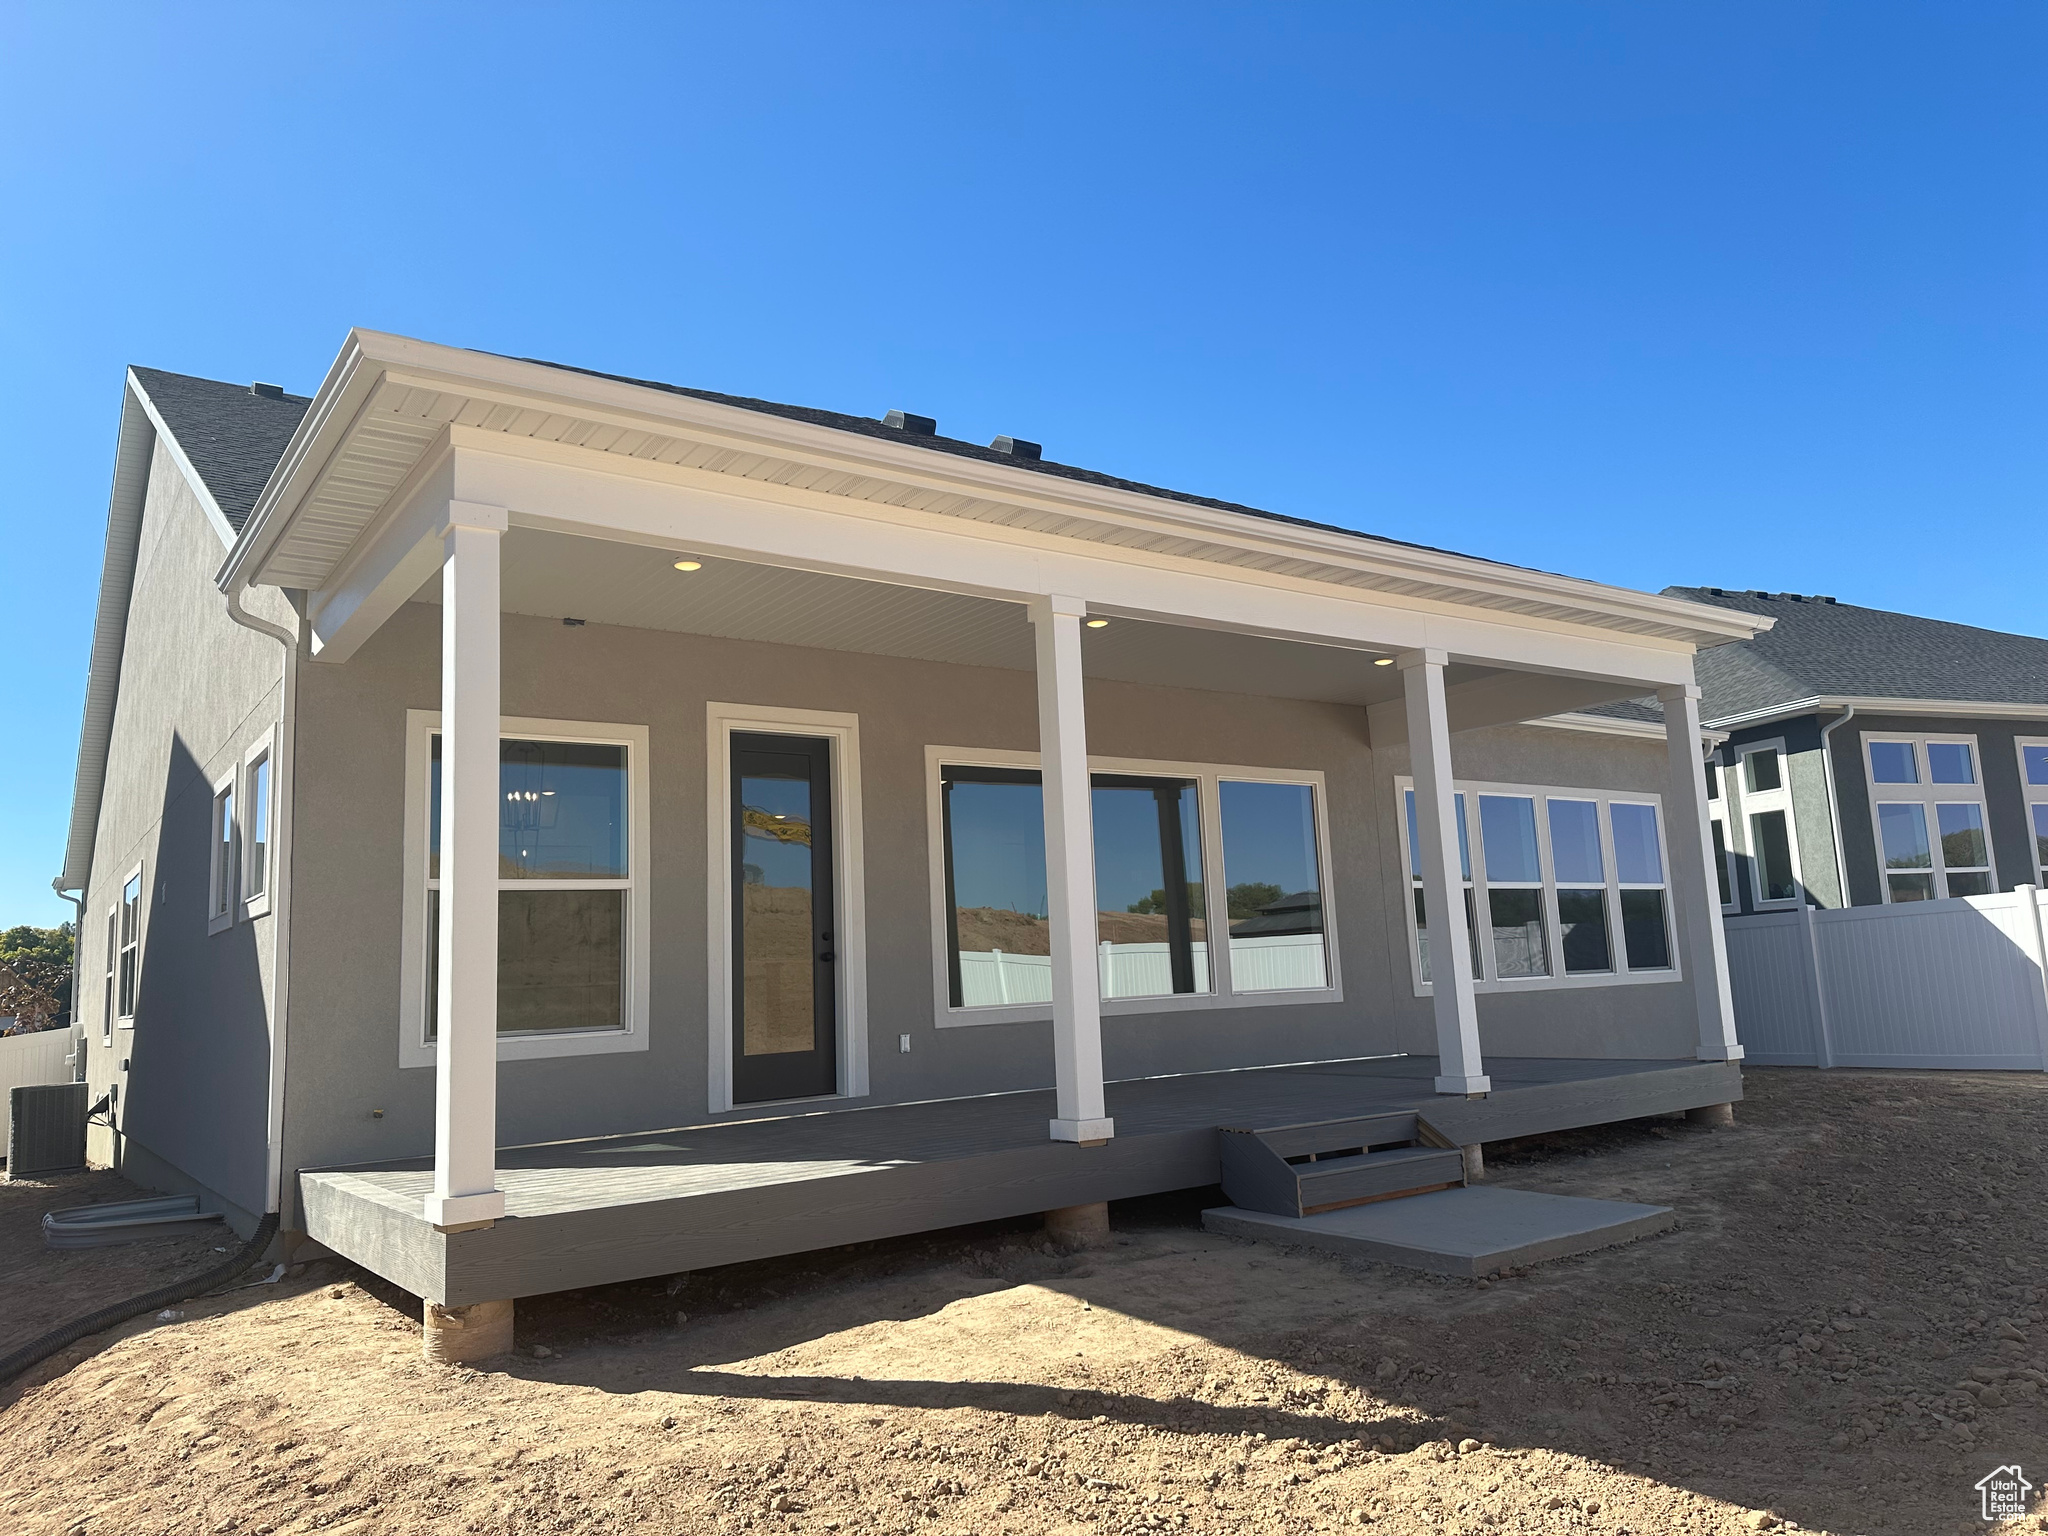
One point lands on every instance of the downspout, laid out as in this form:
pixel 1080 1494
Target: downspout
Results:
pixel 77 1059
pixel 282 781
pixel 1827 765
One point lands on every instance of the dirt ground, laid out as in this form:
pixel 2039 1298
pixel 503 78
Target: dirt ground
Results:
pixel 1845 1334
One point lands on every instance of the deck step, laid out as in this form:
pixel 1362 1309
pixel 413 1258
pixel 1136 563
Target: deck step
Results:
pixel 1326 1165
pixel 1330 1183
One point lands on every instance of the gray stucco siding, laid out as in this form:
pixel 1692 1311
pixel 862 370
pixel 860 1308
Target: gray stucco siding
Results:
pixel 344 1062
pixel 1812 825
pixel 196 692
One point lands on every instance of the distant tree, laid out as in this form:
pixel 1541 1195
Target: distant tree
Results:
pixel 35 975
pixel 1156 902
pixel 1246 899
pixel 50 945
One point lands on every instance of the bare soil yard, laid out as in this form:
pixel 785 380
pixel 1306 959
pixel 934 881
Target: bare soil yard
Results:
pixel 1845 1335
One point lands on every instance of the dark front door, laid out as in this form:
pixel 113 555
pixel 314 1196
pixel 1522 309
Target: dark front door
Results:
pixel 785 1004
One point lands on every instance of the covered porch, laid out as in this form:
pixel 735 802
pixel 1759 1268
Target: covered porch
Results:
pixel 586 1213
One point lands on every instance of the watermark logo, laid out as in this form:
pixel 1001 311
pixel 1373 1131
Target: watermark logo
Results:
pixel 2005 1493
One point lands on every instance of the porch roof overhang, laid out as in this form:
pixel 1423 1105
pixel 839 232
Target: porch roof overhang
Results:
pixel 401 427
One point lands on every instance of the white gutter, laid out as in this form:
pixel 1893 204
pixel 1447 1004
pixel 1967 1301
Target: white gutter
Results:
pixel 282 786
pixel 1881 706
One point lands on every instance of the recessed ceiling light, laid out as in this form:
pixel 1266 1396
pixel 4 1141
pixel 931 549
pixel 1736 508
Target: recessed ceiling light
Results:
pixel 1098 623
pixel 1383 661
pixel 689 565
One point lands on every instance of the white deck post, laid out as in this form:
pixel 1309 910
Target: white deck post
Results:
pixel 1069 873
pixel 1694 889
pixel 466 1052
pixel 1460 1069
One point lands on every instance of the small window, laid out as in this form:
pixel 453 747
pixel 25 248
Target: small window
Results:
pixel 1761 770
pixel 1581 886
pixel 1908 857
pixel 1770 841
pixel 1965 853
pixel 220 905
pixel 256 836
pixel 1891 762
pixel 1721 865
pixel 1950 762
pixel 2035 760
pixel 131 945
pixel 107 1002
pixel 1275 894
pixel 1639 865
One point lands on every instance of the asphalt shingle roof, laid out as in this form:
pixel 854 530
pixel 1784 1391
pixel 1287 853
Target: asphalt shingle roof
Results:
pixel 1831 649
pixel 233 436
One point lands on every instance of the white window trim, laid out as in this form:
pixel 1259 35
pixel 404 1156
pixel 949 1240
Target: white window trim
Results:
pixel 849 880
pixel 2032 795
pixel 1718 814
pixel 1928 794
pixel 414 1049
pixel 1558 980
pixel 263 749
pixel 1758 802
pixel 223 873
pixel 113 966
pixel 1207 777
pixel 135 875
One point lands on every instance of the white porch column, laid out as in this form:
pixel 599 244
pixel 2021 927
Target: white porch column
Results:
pixel 1694 889
pixel 1443 886
pixel 466 1054
pixel 1069 873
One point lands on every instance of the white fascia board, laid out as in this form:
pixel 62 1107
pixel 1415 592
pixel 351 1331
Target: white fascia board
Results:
pixel 134 449
pixel 172 446
pixel 371 356
pixel 1610 725
pixel 661 505
pixel 1880 706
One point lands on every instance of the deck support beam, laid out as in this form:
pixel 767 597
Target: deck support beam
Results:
pixel 1694 889
pixel 1443 881
pixel 466 1047
pixel 1080 1112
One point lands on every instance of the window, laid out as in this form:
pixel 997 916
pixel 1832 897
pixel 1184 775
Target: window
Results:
pixel 1717 822
pixel 220 893
pixel 1165 836
pixel 1419 908
pixel 572 925
pixel 1572 884
pixel 256 832
pixel 1928 807
pixel 1767 815
pixel 2034 784
pixel 130 973
pixel 107 998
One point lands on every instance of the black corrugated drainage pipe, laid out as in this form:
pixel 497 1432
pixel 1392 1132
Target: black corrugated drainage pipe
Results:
pixel 38 1350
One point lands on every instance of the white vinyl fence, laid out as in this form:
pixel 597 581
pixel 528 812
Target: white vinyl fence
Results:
pixel 1958 983
pixel 25 1061
pixel 1263 963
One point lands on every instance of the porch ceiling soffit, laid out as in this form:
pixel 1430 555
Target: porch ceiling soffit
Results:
pixel 389 400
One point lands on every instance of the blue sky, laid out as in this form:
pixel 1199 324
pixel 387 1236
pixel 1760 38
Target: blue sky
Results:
pixel 1747 295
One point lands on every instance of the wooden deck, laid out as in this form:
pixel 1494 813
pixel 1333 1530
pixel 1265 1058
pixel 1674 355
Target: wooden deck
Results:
pixel 623 1207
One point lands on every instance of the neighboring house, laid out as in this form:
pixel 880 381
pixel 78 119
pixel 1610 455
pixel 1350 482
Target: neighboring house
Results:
pixel 1907 756
pixel 486 754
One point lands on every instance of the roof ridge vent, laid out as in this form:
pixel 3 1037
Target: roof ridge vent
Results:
pixel 267 391
pixel 1758 592
pixel 906 421
pixel 1018 447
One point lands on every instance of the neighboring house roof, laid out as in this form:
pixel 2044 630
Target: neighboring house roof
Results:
pixel 1821 649
pixel 231 435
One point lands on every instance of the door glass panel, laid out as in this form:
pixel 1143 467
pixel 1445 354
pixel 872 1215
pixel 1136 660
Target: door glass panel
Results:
pixel 1275 897
pixel 1575 843
pixel 1771 845
pixel 1645 937
pixel 778 980
pixel 1762 769
pixel 1950 762
pixel 1582 928
pixel 1150 934
pixel 1891 762
pixel 1519 948
pixel 1001 936
pixel 1507 833
pixel 1962 836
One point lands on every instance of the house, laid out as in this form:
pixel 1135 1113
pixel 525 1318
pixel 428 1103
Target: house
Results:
pixel 538 828
pixel 1872 757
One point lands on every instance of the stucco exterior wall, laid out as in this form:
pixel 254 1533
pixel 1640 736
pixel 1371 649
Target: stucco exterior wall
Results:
pixel 196 692
pixel 344 1061
pixel 1812 826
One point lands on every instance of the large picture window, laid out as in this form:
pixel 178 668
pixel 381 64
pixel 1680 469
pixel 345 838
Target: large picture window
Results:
pixel 1927 800
pixel 1163 840
pixel 571 871
pixel 1571 885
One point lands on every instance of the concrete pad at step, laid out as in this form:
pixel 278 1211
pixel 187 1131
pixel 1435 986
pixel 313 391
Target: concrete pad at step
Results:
pixel 1470 1231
